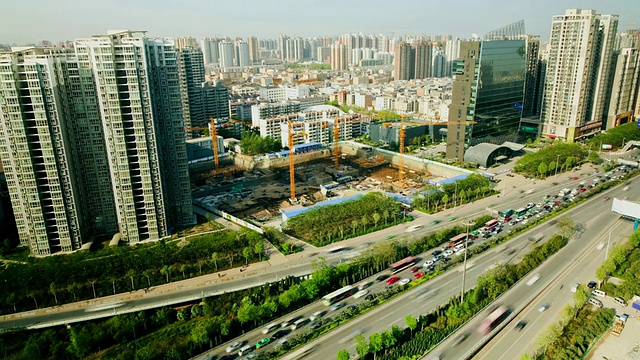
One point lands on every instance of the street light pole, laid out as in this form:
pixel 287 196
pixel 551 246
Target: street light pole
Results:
pixel 557 161
pixel 606 254
pixel 467 223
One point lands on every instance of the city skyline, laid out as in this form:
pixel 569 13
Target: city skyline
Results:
pixel 174 19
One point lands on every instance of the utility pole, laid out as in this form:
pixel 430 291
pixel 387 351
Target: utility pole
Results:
pixel 467 223
pixel 606 254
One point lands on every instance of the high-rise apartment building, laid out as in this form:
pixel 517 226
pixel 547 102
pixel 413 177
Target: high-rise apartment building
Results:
pixel 578 74
pixel 53 151
pixel 533 82
pixel 242 54
pixel 215 100
pixel 487 89
pixel 226 53
pixel 142 121
pixel 191 75
pixel 625 95
pixel 185 42
pixel 210 50
pixel 339 56
pixel 254 54
pixel 423 60
pixel 413 61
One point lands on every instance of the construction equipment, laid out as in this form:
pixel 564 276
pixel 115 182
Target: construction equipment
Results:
pixel 336 144
pixel 401 141
pixel 292 181
pixel 214 138
pixel 618 324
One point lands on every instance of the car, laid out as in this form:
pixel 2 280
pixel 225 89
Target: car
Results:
pixel 520 325
pixel 280 333
pixel 530 205
pixel 437 257
pixel 533 279
pixel 509 174
pixel 315 325
pixel 436 252
pixel 413 228
pixel 364 285
pixel 415 269
pixel 369 297
pixel 404 281
pixel 360 294
pixel 507 219
pixel 582 190
pixel 460 338
pixel 575 178
pixel 592 284
pixel 435 222
pixel 449 252
pixel 317 315
pixel 382 277
pixel 543 307
pixel 263 342
pixel 428 263
pixel 235 346
pixel 606 198
pixel 337 306
pixel 392 280
pixel 418 275
pixel 574 287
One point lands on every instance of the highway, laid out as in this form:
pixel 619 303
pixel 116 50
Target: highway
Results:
pixel 576 262
pixel 257 274
pixel 448 285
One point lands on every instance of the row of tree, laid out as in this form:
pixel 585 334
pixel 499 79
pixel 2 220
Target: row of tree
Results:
pixel 616 136
pixel 68 278
pixel 435 326
pixel 624 263
pixel 252 143
pixel 561 157
pixel 328 224
pixel 460 192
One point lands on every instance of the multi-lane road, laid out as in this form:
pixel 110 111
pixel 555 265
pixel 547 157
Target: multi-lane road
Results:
pixel 574 263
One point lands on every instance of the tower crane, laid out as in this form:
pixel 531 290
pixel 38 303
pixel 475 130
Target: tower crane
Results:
pixel 214 138
pixel 401 141
pixel 336 145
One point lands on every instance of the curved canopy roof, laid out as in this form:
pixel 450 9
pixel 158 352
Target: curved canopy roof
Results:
pixel 485 154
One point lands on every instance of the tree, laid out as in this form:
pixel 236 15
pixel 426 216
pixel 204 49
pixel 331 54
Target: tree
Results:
pixel 11 300
pixel 388 340
pixel 376 218
pixel 542 169
pixel 200 333
pixel 93 286
pixel 376 344
pixel 183 269
pixel 53 290
pixel 570 162
pixel 364 221
pixel 343 355
pixel 462 195
pixel 131 274
pixel 412 323
pixel 147 274
pixel 259 248
pixel 79 342
pixel 230 257
pixel 594 158
pixel 362 348
pixel 354 225
pixel 71 288
pixel 385 216
pixel 445 200
pixel 32 294
pixel 165 271
pixel 214 258
pixel 247 254
pixel 567 226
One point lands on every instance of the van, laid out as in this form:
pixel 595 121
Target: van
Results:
pixel 620 301
pixel 246 349
pixel 599 293
pixel 595 302
pixel 269 328
pixel 299 323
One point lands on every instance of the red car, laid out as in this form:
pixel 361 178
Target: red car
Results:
pixel 418 275
pixel 507 219
pixel 606 198
pixel 415 269
pixel 392 280
pixel 575 178
pixel 582 190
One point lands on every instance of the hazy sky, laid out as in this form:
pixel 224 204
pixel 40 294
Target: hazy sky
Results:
pixel 31 21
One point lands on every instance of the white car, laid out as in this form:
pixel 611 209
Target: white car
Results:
pixel 530 205
pixel 233 347
pixel 413 228
pixel 404 281
pixel 428 263
pixel 448 252
pixel 317 315
pixel 360 294
pixel 533 279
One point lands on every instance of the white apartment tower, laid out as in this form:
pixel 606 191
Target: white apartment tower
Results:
pixel 142 122
pixel 210 51
pixel 243 54
pixel 577 83
pixel 226 54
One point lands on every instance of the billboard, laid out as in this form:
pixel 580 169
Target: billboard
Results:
pixel 607 146
pixel 626 208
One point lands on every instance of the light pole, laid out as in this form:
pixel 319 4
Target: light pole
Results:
pixel 466 223
pixel 455 197
pixel 606 254
pixel 623 139
pixel 557 161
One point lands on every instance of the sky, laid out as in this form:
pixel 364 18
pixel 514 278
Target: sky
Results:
pixel 31 21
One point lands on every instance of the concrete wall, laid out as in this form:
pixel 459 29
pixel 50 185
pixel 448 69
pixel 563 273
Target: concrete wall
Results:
pixel 250 162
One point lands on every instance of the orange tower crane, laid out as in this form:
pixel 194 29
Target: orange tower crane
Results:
pixel 401 141
pixel 214 138
pixel 336 145
pixel 292 181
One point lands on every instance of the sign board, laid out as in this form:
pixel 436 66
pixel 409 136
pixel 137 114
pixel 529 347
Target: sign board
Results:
pixel 607 146
pixel 626 208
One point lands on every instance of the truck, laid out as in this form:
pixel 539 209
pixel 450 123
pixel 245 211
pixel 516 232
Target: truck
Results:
pixel 493 319
pixel 618 324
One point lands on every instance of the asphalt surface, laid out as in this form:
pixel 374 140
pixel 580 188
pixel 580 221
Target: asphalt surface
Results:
pixel 576 262
pixel 299 265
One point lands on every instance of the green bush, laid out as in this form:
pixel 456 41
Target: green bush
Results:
pixel 543 162
pixel 615 136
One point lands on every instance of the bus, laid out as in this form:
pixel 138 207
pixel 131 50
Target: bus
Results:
pixel 505 214
pixel 521 212
pixel 493 320
pixel 338 295
pixel 458 239
pixel 402 264
pixel 492 224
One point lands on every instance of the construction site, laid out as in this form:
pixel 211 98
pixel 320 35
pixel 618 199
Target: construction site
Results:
pixel 258 191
